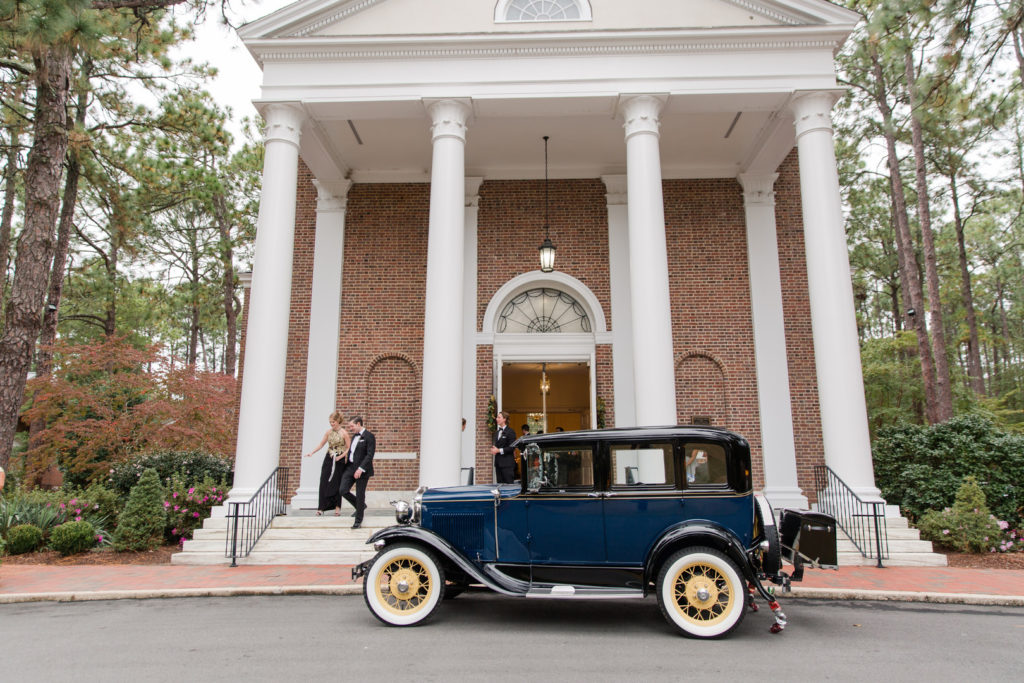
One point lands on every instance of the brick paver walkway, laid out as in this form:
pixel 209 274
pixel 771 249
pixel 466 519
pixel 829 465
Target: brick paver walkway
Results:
pixel 956 580
pixel 22 579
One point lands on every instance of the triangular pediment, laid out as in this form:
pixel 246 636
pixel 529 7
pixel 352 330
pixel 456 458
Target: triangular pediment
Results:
pixel 354 18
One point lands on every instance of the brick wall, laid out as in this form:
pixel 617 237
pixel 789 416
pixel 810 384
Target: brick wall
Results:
pixel 713 340
pixel 381 339
pixel 381 347
pixel 803 381
pixel 298 329
pixel 509 230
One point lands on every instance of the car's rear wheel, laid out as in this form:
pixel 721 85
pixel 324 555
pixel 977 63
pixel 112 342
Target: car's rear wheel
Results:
pixel 403 585
pixel 701 593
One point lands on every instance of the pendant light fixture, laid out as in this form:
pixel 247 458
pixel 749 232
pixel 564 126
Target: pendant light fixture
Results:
pixel 547 248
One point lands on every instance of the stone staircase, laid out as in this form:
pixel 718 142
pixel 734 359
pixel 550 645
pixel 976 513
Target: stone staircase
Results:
pixel 906 549
pixel 303 538
pixel 299 537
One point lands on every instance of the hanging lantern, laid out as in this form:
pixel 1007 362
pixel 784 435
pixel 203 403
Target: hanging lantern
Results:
pixel 547 247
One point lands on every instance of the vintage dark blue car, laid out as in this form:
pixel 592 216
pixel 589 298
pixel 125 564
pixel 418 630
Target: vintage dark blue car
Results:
pixel 615 513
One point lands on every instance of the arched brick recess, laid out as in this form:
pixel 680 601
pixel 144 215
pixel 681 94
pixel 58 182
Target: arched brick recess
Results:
pixel 392 414
pixel 701 389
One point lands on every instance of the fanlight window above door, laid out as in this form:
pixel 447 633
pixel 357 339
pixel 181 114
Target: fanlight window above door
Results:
pixel 543 10
pixel 543 310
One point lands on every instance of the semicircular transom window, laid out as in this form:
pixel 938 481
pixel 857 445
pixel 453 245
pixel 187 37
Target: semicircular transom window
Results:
pixel 543 10
pixel 543 310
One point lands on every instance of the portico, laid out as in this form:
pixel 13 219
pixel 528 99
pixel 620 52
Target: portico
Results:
pixel 425 143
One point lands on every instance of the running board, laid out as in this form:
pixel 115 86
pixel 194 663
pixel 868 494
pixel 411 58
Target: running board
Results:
pixel 566 592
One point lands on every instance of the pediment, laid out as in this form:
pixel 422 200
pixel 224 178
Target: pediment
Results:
pixel 408 18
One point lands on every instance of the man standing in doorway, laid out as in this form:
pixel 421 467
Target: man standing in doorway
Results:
pixel 502 450
pixel 360 467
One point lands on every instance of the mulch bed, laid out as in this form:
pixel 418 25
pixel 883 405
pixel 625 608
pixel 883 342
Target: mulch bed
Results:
pixel 984 560
pixel 161 555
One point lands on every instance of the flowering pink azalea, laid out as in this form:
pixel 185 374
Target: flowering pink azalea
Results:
pixel 62 506
pixel 78 511
pixel 945 532
pixel 166 504
pixel 1004 525
pixel 176 507
pixel 78 519
pixel 99 538
pixel 174 531
pixel 192 490
pixel 72 501
pixel 174 495
pixel 195 514
pixel 96 506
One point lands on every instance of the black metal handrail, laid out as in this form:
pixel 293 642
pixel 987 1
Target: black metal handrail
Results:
pixel 247 520
pixel 863 521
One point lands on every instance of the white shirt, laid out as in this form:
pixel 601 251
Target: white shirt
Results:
pixel 352 448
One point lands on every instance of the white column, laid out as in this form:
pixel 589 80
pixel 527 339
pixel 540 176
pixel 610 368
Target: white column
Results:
pixel 266 337
pixel 622 319
pixel 324 331
pixel 441 412
pixel 654 369
pixel 777 445
pixel 844 423
pixel 469 325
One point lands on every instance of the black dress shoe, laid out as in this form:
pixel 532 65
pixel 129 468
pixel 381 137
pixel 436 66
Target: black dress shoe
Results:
pixel 357 525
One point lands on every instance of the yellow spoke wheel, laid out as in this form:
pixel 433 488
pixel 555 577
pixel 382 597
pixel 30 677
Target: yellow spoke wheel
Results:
pixel 700 592
pixel 404 585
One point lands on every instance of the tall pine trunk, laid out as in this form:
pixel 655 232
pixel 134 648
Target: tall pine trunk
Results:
pixel 974 373
pixel 909 275
pixel 43 171
pixel 7 216
pixel 943 386
pixel 227 263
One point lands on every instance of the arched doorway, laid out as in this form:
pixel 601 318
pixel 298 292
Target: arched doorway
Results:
pixel 544 328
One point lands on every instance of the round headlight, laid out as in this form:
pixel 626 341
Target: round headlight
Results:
pixel 403 512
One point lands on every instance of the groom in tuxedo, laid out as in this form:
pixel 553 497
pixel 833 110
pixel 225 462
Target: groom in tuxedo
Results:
pixel 360 467
pixel 503 451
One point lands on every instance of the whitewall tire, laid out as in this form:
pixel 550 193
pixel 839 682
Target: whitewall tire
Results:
pixel 701 593
pixel 403 585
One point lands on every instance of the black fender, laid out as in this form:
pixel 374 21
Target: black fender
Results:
pixel 424 537
pixel 694 533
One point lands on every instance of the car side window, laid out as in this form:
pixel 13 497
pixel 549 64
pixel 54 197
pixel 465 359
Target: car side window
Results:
pixel 705 465
pixel 559 468
pixel 639 465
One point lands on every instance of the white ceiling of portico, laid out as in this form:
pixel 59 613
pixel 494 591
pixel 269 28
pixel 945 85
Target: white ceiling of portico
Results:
pixel 364 70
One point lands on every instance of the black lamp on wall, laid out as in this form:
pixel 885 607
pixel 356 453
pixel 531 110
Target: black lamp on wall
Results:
pixel 547 247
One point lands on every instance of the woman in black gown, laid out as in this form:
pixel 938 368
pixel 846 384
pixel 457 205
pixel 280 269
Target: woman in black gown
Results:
pixel 337 440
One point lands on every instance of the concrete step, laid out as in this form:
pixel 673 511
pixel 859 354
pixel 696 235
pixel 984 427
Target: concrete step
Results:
pixel 854 559
pixel 897 546
pixel 310 557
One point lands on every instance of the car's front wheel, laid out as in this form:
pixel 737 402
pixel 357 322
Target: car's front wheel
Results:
pixel 403 585
pixel 700 592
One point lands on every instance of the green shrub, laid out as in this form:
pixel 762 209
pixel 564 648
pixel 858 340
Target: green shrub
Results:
pixel 24 538
pixel 3 547
pixel 191 466
pixel 968 526
pixel 141 524
pixel 188 506
pixel 106 503
pixel 921 468
pixel 73 537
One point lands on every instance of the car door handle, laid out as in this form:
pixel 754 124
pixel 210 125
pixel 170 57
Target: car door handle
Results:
pixel 593 494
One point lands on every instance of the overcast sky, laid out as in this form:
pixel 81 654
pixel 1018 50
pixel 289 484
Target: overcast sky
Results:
pixel 238 79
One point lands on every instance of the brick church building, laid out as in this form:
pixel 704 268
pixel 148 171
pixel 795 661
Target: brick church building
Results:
pixel 689 186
